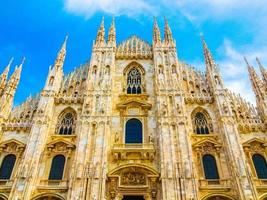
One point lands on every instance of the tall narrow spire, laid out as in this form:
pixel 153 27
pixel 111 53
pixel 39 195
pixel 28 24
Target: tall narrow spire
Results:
pixel 263 71
pixel 3 76
pixel 100 38
pixel 112 33
pixel 61 55
pixel 156 32
pixel 210 64
pixel 167 32
pixel 14 79
pixel 255 80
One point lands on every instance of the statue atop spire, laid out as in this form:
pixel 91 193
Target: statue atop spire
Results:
pixel 14 79
pixel 3 77
pixel 167 33
pixel 156 32
pixel 210 64
pixel 112 33
pixel 61 55
pixel 263 71
pixel 255 80
pixel 100 38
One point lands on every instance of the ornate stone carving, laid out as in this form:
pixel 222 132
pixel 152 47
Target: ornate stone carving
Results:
pixel 133 178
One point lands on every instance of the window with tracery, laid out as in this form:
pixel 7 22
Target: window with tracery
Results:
pixel 201 124
pixel 66 125
pixel 134 83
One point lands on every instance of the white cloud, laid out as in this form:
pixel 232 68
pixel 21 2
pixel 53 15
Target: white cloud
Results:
pixel 234 69
pixel 88 8
pixel 250 14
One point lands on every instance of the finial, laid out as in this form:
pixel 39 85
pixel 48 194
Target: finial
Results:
pixel 259 62
pixel 167 32
pixel 246 61
pixel 10 61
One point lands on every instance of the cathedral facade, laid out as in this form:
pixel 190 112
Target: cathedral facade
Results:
pixel 134 123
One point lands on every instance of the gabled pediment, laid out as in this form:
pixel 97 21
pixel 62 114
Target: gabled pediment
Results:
pixel 60 142
pixel 12 142
pixel 134 103
pixel 253 142
pixel 207 142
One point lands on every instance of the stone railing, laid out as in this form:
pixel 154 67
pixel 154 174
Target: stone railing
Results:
pixel 215 184
pixel 68 99
pixel 133 151
pixel 198 98
pixel 53 184
pixel 6 183
pixel 17 125
pixel 260 183
pixel 249 125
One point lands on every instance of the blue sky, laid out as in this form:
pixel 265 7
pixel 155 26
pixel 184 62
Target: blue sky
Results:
pixel 36 29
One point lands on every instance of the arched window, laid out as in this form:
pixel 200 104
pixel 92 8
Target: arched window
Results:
pixel 173 69
pixel 57 168
pixel 210 167
pixel 134 81
pixel 66 126
pixel 200 124
pixel 133 132
pixel 260 166
pixel 7 166
pixel 94 69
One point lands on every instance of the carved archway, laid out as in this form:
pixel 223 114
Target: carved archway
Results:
pixel 48 197
pixel 133 180
pixel 218 197
pixel 3 197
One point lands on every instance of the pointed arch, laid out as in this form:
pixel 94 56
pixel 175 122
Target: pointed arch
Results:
pixel 134 74
pixel 67 122
pixel 201 121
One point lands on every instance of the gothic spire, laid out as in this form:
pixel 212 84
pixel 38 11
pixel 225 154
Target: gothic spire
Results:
pixel 255 80
pixel 100 38
pixel 112 33
pixel 263 71
pixel 61 55
pixel 210 64
pixel 156 32
pixel 167 32
pixel 3 76
pixel 14 79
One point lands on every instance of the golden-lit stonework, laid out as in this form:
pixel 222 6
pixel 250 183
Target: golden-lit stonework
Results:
pixel 135 123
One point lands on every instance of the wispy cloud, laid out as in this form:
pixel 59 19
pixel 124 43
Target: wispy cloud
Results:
pixel 251 15
pixel 88 8
pixel 234 69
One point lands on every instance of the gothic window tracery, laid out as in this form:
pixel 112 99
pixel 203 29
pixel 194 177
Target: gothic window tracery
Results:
pixel 7 166
pixel 260 166
pixel 201 124
pixel 210 167
pixel 66 125
pixel 134 81
pixel 57 168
